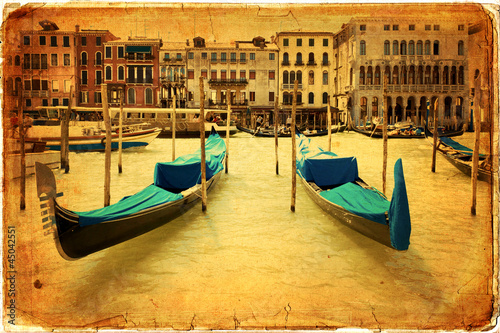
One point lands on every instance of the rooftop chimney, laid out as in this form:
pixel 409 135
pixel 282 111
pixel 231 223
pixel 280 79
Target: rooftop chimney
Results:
pixel 77 28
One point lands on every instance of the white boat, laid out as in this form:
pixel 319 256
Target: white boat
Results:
pixel 91 136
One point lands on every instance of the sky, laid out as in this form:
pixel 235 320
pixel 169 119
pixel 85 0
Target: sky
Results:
pixel 221 22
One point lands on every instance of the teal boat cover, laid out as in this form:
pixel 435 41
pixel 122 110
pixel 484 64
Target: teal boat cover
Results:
pixel 183 173
pixel 455 145
pixel 149 197
pixel 367 203
pixel 323 167
pixel 399 211
pixel 315 164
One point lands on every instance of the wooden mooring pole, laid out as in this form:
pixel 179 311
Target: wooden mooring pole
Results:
pixel 294 149
pixel 385 119
pixel 228 123
pixel 435 135
pixel 107 161
pixel 120 132
pixel 65 134
pixel 20 120
pixel 174 124
pixel 276 134
pixel 477 135
pixel 202 139
pixel 329 124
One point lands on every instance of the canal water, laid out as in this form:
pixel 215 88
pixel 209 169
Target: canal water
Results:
pixel 249 262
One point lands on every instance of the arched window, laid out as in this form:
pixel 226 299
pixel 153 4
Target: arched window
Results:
pixel 387 73
pixel 311 77
pixel 362 47
pixel 420 75
pixel 369 75
pixel 325 59
pixel 311 58
pixel 411 48
pixel 149 96
pixel 299 98
pixel 427 47
pixel 10 86
pixel 299 59
pixel 427 74
pixel 17 84
pixel 375 107
pixel 285 77
pixel 362 75
pixel 395 75
pixel 453 77
pixel 98 59
pixel 286 61
pixel 436 47
pixel 387 47
pixel 299 77
pixel 419 47
pixel 131 96
pixel 83 58
pixel 459 104
pixel 311 98
pixel 292 77
pixel 109 76
pixel 411 75
pixel 461 48
pixel 377 75
pixel 286 98
pixel 325 77
pixel 17 61
pixel 395 47
pixel 446 75
pixel 461 75
pixel 363 105
pixel 403 47
pixel 351 74
pixel 325 98
pixel 435 75
pixel 121 73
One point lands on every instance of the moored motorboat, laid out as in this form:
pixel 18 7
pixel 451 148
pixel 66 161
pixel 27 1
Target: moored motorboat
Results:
pixel 285 132
pixel 84 138
pixel 333 183
pixel 176 188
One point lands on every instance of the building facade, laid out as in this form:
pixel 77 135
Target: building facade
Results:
pixel 247 69
pixel 423 62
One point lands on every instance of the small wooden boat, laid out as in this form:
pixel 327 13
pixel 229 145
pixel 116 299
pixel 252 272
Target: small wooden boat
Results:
pixel 461 157
pixel 175 189
pixel 392 132
pixel 90 138
pixel 285 133
pixel 333 183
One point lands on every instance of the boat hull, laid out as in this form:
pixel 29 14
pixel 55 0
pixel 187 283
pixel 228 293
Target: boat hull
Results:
pixel 74 241
pixel 376 231
pixel 466 167
pixel 267 134
pixel 98 142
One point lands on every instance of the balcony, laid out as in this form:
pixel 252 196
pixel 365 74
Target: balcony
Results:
pixel 311 63
pixel 139 57
pixel 97 62
pixel 173 79
pixel 212 102
pixel 299 63
pixel 241 81
pixel 140 80
pixel 325 63
pixel 35 93
pixel 286 86
pixel 285 63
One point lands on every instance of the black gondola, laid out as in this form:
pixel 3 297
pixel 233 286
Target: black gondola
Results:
pixel 176 189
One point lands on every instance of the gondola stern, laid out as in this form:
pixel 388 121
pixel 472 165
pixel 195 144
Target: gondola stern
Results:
pixel 45 181
pixel 399 211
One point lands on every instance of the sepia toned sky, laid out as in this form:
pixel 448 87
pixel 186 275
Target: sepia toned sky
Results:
pixel 216 21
